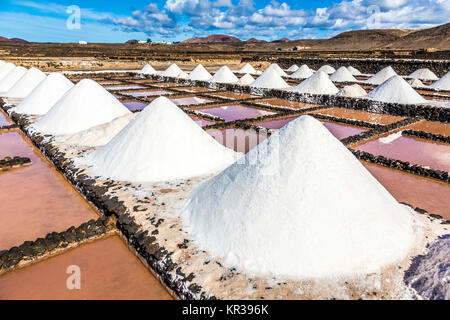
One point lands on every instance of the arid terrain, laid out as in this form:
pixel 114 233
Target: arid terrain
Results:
pixel 430 44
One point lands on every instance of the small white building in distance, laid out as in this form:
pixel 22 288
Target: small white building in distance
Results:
pixel 82 42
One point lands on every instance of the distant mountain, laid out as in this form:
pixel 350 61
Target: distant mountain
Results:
pixel 282 40
pixel 254 40
pixel 215 38
pixel 13 40
pixel 18 40
pixel 437 37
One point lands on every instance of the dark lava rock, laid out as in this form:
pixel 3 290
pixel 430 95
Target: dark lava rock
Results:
pixel 429 274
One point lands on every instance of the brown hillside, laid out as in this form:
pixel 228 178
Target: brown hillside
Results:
pixel 216 38
pixel 438 37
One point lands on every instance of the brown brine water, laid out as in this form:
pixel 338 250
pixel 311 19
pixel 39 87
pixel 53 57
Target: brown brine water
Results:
pixel 36 199
pixel 107 270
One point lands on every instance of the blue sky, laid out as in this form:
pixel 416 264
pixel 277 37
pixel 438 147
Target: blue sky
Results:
pixel 174 20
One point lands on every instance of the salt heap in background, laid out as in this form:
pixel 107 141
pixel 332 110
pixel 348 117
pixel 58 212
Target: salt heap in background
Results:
pixel 443 83
pixel 99 135
pixel 11 79
pixel 342 75
pixel 246 80
pixel 327 69
pixel 5 69
pixel 148 69
pixel 304 72
pixel 354 71
pixel 416 83
pixel 45 95
pixel 84 106
pixel 248 68
pixel 199 74
pixel 278 70
pixel 382 76
pixel 423 74
pixel 353 91
pixel 293 68
pixel 270 79
pixel 224 75
pixel 162 143
pixel 26 84
pixel 183 75
pixel 319 83
pixel 285 215
pixel 173 71
pixel 396 90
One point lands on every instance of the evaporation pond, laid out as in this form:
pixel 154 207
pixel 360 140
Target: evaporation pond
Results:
pixel 108 270
pixel 35 200
pixel 148 93
pixel 135 105
pixel 188 101
pixel 340 131
pixel 413 150
pixel 425 193
pixel 236 112
pixel 238 139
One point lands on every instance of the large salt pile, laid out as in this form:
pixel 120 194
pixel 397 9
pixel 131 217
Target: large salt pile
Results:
pixel 199 74
pixel 342 75
pixel 423 74
pixel 327 69
pixel 99 135
pixel 277 68
pixel 173 71
pixel 5 69
pixel 148 69
pixel 11 79
pixel 26 84
pixel 318 83
pixel 293 68
pixel 248 68
pixel 285 215
pixel 246 80
pixel 45 95
pixel 224 75
pixel 84 106
pixel 304 72
pixel 443 83
pixel 270 79
pixel 162 143
pixel 396 90
pixel 354 71
pixel 353 91
pixel 382 76
pixel 2 62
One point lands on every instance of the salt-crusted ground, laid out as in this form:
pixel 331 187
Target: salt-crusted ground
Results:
pixel 155 208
